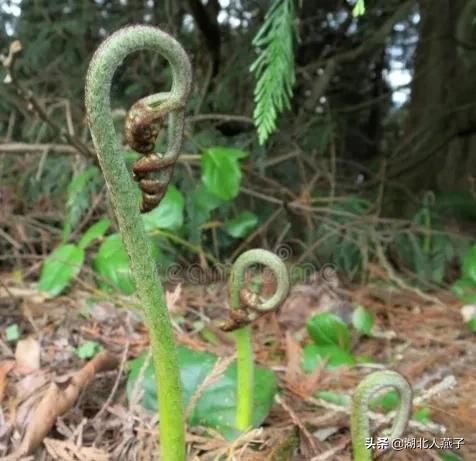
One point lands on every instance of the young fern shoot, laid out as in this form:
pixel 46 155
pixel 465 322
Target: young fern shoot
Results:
pixel 359 424
pixel 244 310
pixel 153 171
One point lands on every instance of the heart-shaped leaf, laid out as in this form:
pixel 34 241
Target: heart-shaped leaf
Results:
pixel 59 268
pixel 216 406
pixel 328 330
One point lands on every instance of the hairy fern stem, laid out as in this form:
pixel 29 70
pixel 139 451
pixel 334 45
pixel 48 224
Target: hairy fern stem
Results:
pixel 106 60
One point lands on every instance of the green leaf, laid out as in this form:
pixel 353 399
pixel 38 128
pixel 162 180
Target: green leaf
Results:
pixel 169 214
pixel 362 320
pixel 216 406
pixel 221 172
pixel 328 330
pixel 112 264
pixel 469 265
pixel 12 332
pixel 465 290
pixel 314 355
pixel 242 225
pixel 202 203
pixel 59 268
pixel 88 350
pixel 96 231
pixel 422 415
pixel 385 402
pixel 472 325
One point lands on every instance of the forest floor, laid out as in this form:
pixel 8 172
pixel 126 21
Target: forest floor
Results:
pixel 57 406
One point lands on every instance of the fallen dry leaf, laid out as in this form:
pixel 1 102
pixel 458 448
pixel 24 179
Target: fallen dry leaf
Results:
pixel 300 384
pixel 27 354
pixel 65 450
pixel 172 297
pixel 58 399
pixel 5 368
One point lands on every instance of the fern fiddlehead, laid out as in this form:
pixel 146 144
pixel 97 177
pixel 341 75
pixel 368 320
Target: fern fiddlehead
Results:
pixel 245 309
pixel 140 133
pixel 359 424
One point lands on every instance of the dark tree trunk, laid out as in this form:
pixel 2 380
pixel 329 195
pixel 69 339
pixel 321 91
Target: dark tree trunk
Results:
pixel 440 141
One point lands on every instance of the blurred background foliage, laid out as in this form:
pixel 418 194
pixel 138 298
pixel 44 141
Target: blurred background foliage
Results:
pixel 348 138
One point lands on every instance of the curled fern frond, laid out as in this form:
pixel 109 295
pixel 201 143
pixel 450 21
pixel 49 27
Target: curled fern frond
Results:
pixel 274 67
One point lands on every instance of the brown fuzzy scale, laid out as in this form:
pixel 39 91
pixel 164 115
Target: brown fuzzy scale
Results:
pixel 141 136
pixel 246 314
pixel 139 131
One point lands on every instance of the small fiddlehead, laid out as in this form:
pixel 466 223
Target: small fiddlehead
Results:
pixel 360 426
pixel 106 60
pixel 245 308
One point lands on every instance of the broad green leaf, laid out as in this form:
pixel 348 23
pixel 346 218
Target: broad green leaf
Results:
pixel 216 407
pixel 169 214
pixel 221 172
pixel 314 355
pixel 242 225
pixel 328 330
pixel 112 264
pixel 59 268
pixel 88 350
pixel 469 265
pixel 12 332
pixel 362 320
pixel 96 231
pixel 332 397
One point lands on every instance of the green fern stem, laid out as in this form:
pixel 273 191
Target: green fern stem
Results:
pixel 245 365
pixel 245 378
pixel 106 60
pixel 359 424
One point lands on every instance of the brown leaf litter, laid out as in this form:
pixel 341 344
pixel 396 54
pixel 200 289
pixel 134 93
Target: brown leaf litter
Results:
pixel 54 414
